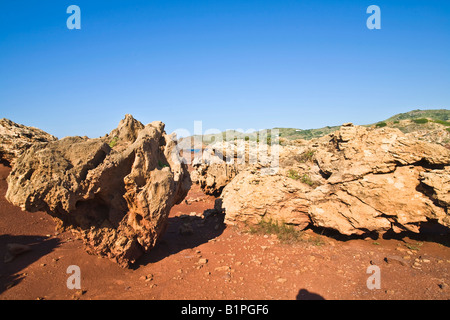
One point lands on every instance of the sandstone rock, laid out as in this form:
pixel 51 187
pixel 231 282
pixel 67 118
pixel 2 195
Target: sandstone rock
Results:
pixel 252 197
pixel 115 192
pixel 353 152
pixel 16 138
pixel 374 181
pixel 437 185
pixel 220 162
pixel 356 180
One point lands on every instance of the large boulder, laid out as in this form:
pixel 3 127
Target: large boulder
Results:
pixel 115 192
pixel 251 197
pixel 356 180
pixel 16 138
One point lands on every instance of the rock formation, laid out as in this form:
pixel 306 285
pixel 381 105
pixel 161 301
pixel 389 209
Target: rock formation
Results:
pixel 115 192
pixel 212 172
pixel 16 138
pixel 220 162
pixel 355 180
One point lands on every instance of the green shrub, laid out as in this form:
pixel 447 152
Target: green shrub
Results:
pixel 381 124
pixel 285 233
pixel 293 174
pixel 307 180
pixel 445 123
pixel 306 156
pixel 420 121
pixel 161 164
pixel 113 142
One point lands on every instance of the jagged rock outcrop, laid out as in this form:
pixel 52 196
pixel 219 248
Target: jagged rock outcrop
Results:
pixel 355 180
pixel 16 138
pixel 115 192
pixel 220 162
pixel 212 172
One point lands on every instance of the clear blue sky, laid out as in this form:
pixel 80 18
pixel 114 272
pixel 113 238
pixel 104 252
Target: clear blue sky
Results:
pixel 229 63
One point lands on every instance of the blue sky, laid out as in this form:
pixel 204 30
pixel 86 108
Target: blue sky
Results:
pixel 231 64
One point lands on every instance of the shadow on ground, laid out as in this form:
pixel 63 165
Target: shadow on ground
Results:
pixel 429 231
pixel 304 294
pixel 184 232
pixel 10 271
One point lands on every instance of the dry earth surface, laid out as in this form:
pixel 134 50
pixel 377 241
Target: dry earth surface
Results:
pixel 200 258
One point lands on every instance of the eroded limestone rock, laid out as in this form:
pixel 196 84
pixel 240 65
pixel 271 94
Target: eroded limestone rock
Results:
pixel 115 192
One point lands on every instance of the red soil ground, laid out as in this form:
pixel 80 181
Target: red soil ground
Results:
pixel 219 262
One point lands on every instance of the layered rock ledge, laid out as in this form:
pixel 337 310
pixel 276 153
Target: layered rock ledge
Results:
pixel 15 139
pixel 356 180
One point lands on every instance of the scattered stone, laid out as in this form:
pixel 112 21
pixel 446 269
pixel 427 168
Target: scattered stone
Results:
pixel 281 280
pixel 442 285
pixel 395 259
pixel 147 278
pixel 223 268
pixel 78 294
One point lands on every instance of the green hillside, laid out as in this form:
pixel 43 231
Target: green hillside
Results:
pixel 411 121
pixel 440 114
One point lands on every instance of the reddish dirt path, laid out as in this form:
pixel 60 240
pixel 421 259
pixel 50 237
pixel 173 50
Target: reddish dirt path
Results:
pixel 217 262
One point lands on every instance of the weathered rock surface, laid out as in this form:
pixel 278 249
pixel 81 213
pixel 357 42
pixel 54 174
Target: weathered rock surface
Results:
pixel 115 192
pixel 251 197
pixel 436 183
pixel 220 162
pixel 16 138
pixel 355 180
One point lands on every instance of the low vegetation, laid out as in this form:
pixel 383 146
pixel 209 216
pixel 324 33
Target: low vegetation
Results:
pixel 306 156
pixel 161 164
pixel 285 233
pixel 307 180
pixel 113 142
pixel 420 121
pixel 293 174
pixel 418 118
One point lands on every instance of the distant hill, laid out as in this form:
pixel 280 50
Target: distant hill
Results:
pixel 440 114
pixel 412 121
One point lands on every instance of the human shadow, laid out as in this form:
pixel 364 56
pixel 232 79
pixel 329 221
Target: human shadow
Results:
pixel 184 232
pixel 304 294
pixel 10 268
